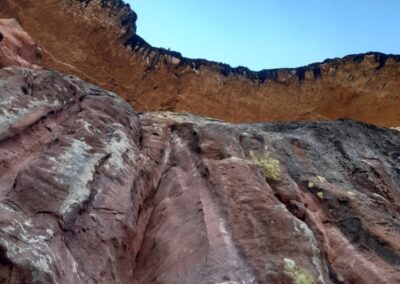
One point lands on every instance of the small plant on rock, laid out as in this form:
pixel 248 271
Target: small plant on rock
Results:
pixel 269 165
pixel 297 273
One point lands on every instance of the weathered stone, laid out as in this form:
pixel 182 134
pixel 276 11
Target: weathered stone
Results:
pixel 92 192
pixel 17 47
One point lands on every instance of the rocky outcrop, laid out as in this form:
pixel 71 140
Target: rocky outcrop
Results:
pixel 99 44
pixel 93 192
pixel 17 47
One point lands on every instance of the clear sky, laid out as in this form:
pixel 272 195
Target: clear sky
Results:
pixel 263 34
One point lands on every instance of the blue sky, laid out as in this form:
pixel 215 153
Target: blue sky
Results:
pixel 263 34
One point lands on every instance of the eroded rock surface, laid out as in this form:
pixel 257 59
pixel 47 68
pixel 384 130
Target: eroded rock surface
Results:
pixel 92 192
pixel 17 47
pixel 99 43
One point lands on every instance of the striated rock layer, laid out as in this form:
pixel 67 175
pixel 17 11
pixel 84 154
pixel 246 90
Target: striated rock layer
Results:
pixel 98 42
pixel 93 192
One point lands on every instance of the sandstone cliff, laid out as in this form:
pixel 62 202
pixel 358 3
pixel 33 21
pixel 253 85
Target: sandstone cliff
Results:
pixel 93 192
pixel 97 41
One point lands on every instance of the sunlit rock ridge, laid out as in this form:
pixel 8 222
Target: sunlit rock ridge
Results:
pixel 92 191
pixel 97 41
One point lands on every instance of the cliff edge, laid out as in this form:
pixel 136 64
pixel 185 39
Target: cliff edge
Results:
pixel 92 191
pixel 97 41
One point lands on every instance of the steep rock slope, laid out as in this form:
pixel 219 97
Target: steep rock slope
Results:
pixel 93 192
pixel 98 43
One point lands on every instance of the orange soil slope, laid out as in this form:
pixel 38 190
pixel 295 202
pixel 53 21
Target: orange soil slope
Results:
pixel 96 40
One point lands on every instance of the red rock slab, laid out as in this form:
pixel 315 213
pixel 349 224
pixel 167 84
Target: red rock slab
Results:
pixel 17 47
pixel 93 192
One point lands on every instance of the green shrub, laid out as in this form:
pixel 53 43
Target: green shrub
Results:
pixel 269 165
pixel 297 273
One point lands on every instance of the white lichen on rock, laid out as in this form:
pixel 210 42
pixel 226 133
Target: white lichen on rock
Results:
pixel 10 115
pixel 87 126
pixel 76 167
pixel 117 147
pixel 302 228
pixel 27 249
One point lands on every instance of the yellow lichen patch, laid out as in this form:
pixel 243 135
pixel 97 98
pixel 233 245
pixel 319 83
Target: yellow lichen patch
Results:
pixel 297 273
pixel 320 194
pixel 321 179
pixel 310 184
pixel 269 165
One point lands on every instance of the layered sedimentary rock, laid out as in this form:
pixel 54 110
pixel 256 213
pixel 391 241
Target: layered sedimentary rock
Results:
pixel 93 192
pixel 98 42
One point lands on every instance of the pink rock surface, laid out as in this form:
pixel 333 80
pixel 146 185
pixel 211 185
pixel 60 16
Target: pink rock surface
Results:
pixel 222 213
pixel 92 192
pixel 17 47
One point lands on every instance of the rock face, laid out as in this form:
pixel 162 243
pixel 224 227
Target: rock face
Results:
pixel 99 44
pixel 16 46
pixel 93 192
